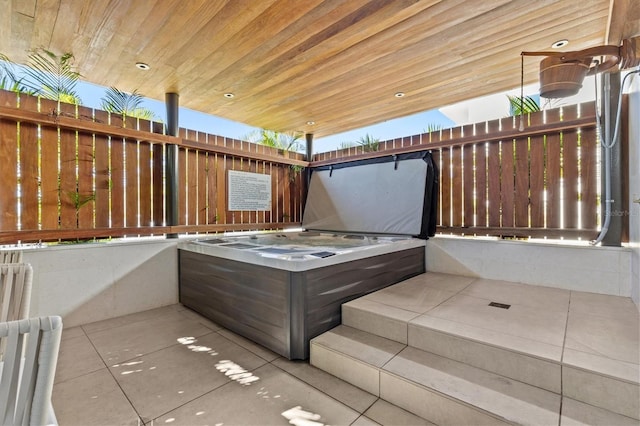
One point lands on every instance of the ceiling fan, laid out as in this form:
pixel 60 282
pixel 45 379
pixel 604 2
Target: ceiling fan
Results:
pixel 562 73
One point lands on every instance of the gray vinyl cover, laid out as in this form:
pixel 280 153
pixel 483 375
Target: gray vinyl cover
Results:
pixel 378 198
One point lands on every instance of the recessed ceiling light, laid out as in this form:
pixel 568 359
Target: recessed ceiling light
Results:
pixel 310 123
pixel 560 43
pixel 229 95
pixel 143 66
pixel 399 94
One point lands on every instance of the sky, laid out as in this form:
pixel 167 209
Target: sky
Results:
pixel 91 95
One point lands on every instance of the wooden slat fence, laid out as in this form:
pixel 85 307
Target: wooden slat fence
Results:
pixel 495 180
pixel 83 174
pixel 80 173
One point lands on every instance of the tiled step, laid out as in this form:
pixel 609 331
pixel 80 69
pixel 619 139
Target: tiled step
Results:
pixel 353 355
pixel 576 413
pixel 583 345
pixel 438 389
pixel 450 316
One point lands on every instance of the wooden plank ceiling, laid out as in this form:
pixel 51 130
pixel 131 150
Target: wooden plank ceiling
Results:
pixel 335 62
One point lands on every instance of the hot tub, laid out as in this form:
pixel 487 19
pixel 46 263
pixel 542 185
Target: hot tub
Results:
pixel 282 289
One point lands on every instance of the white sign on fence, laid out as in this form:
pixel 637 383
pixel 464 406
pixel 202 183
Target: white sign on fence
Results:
pixel 248 191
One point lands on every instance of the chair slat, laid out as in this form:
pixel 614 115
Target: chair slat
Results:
pixel 15 294
pixel 11 256
pixel 26 382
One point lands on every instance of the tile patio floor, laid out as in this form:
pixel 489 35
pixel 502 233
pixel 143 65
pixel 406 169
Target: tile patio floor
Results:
pixel 170 366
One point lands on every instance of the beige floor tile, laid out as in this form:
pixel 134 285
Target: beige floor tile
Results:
pixel 166 379
pixel 276 399
pixel 541 298
pixel 377 318
pixel 385 413
pixel 92 399
pixel 364 421
pixel 521 320
pixel 523 345
pixel 344 392
pixel 503 359
pixel 131 318
pixel 257 349
pixel 611 394
pixel 507 399
pixel 69 333
pixel 431 405
pixel 576 413
pixel 613 368
pixel 351 370
pixel 118 344
pixel 446 282
pixel 603 305
pixel 76 357
pixel 412 296
pixel 615 337
pixel 360 345
pixel 193 315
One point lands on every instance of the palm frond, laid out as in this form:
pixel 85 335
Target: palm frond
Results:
pixel 52 76
pixel 346 145
pixel 9 77
pixel 431 127
pixel 287 141
pixel 369 143
pixel 526 106
pixel 127 104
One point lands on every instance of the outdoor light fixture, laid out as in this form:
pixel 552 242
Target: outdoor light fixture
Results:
pixel 560 43
pixel 399 95
pixel 310 123
pixel 229 95
pixel 562 73
pixel 142 66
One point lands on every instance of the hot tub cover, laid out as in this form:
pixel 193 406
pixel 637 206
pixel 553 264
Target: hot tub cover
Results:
pixel 395 194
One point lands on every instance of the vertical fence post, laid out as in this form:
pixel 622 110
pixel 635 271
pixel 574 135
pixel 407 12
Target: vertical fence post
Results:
pixel 172 184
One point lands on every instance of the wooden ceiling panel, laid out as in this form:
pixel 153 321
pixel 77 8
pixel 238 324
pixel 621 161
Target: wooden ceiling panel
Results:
pixel 337 63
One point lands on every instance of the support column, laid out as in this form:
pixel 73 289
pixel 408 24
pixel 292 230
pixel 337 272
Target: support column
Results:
pixel 309 155
pixel 611 92
pixel 309 138
pixel 171 166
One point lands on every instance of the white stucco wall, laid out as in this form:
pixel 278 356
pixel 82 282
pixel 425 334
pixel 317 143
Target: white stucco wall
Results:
pixel 90 282
pixel 605 270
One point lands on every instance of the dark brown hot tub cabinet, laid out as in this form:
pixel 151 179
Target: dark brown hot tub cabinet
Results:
pixel 283 309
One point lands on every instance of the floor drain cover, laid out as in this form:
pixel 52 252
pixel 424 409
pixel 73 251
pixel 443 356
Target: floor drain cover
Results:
pixel 499 305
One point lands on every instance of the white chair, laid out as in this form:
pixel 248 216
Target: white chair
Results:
pixel 15 291
pixel 11 256
pixel 26 382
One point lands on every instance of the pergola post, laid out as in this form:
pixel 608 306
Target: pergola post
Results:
pixel 309 153
pixel 171 165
